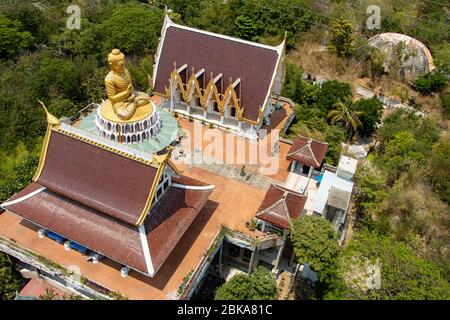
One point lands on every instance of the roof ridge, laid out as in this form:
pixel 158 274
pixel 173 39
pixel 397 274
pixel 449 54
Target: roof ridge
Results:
pixel 276 203
pixel 168 23
pixel 309 138
pixel 282 188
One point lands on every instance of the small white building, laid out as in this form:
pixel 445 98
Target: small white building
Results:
pixel 346 168
pixel 334 193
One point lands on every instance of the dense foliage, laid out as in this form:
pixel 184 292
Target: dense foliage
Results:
pixel 260 285
pixel 315 243
pixel 13 37
pixel 431 82
pixel 342 38
pixel 402 275
pixel 9 281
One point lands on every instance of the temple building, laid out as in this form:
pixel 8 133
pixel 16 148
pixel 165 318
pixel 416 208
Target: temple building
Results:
pixel 224 81
pixel 108 213
pixel 109 199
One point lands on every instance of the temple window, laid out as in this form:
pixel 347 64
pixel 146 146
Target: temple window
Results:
pixel 215 106
pixel 232 111
pixel 163 186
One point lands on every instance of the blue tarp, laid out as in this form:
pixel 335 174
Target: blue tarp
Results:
pixel 81 249
pixel 55 236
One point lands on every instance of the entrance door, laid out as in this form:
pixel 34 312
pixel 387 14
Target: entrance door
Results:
pixel 305 169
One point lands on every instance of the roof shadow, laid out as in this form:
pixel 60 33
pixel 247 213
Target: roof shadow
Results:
pixel 171 264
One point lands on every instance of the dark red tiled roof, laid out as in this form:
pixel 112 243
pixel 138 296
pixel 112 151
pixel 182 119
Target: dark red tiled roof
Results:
pixel 37 287
pixel 119 241
pixel 171 217
pixel 254 65
pixel 280 205
pixel 98 178
pixel 307 151
pixel 112 238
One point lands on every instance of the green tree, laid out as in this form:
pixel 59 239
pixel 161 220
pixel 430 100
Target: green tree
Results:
pixel 26 169
pixel 370 193
pixel 132 28
pixel 293 83
pixel 402 275
pixel 345 114
pixel 371 111
pixel 431 82
pixel 440 169
pixel 260 285
pixel 404 120
pixel 49 294
pixel 330 93
pixel 245 28
pixel 13 37
pixel 445 101
pixel 403 151
pixel 9 281
pixel 342 38
pixel 315 243
pixel 441 57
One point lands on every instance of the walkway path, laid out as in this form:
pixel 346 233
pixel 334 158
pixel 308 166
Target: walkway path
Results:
pixel 232 172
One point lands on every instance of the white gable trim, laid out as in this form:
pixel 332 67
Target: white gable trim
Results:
pixel 146 250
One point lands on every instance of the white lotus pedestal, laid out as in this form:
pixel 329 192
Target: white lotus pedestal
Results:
pixel 144 124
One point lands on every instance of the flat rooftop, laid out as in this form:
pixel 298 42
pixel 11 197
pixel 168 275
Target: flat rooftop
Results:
pixel 254 152
pixel 224 207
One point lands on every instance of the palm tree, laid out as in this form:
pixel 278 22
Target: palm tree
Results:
pixel 345 114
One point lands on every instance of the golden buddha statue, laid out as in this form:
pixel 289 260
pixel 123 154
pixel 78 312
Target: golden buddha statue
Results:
pixel 119 87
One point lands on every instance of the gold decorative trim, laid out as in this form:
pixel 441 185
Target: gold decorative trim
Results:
pixel 43 154
pixel 151 194
pixel 52 122
pixel 211 89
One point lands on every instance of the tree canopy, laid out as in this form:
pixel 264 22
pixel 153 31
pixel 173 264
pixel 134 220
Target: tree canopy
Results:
pixel 9 281
pixel 315 243
pixel 260 285
pixel 13 37
pixel 402 274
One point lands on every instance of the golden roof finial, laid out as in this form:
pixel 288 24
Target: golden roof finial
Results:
pixel 51 119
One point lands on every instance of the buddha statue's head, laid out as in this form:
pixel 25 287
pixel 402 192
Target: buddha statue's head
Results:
pixel 116 61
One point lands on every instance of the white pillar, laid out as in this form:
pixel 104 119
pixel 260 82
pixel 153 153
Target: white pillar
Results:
pixel 293 164
pixel 124 271
pixel 253 260
pixel 221 119
pixel 171 97
pixel 67 245
pixel 239 125
pixel 205 114
pixel 41 233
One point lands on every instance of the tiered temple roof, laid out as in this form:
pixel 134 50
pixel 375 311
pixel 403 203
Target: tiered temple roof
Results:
pixel 280 205
pixel 307 151
pixel 254 65
pixel 100 195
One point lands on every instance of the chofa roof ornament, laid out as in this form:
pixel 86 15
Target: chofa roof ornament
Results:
pixel 51 119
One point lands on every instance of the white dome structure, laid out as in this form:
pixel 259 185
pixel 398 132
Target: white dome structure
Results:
pixel 418 58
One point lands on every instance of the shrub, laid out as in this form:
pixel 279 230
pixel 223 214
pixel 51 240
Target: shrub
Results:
pixel 431 82
pixel 260 285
